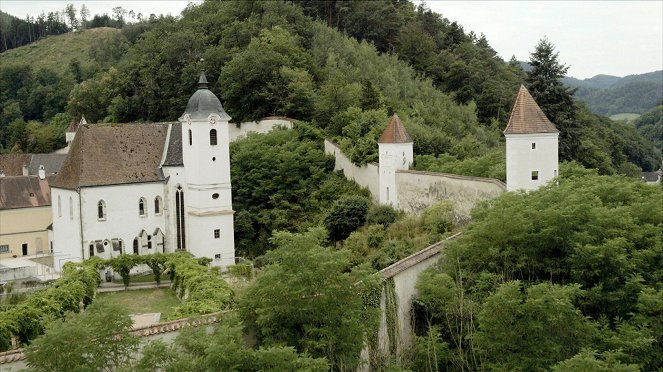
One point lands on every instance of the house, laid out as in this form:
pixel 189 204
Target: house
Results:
pixel 147 188
pixel 25 214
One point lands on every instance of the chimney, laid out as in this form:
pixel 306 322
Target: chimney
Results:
pixel 42 172
pixel 25 170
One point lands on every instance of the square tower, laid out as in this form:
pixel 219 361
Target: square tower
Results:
pixel 395 153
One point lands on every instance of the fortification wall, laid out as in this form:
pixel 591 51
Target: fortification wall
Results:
pixel 366 176
pixel 263 126
pixel 418 190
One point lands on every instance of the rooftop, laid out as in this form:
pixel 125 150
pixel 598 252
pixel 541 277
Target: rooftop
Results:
pixel 527 117
pixel 395 132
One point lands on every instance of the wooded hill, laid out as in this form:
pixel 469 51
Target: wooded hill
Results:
pixel 451 90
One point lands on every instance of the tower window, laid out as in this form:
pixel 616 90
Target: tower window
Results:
pixel 190 138
pixel 217 234
pixel 535 175
pixel 141 207
pixel 215 196
pixel 101 210
pixel 533 145
pixel 212 137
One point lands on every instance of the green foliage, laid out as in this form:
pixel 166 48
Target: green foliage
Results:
pixel 438 218
pixel 306 298
pixel 587 361
pixel 650 126
pixel 98 339
pixel 156 262
pixel 381 214
pixel 491 164
pixel 345 216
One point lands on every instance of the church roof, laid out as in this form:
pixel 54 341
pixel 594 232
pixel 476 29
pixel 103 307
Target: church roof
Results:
pixel 527 117
pixel 113 154
pixel 174 150
pixel 24 192
pixel 395 132
pixel 51 162
pixel 73 125
pixel 203 102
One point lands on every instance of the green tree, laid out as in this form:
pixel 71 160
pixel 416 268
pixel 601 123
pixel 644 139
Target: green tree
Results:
pixel 306 298
pixel 97 339
pixel 555 99
pixel 347 215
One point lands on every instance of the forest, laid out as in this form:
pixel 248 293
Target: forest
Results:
pixel 582 257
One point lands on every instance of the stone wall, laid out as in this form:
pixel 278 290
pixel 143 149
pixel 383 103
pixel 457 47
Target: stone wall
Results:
pixel 418 190
pixel 265 125
pixel 365 176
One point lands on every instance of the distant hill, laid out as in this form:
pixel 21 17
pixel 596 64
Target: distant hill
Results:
pixel 89 47
pixel 613 95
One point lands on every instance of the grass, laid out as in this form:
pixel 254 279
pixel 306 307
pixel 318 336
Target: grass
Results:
pixel 142 301
pixel 626 116
pixel 56 51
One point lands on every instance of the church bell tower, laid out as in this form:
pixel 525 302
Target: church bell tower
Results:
pixel 208 213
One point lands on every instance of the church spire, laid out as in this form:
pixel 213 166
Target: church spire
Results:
pixel 202 82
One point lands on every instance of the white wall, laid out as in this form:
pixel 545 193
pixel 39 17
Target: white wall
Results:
pixel 123 220
pixel 263 126
pixel 392 157
pixel 66 230
pixel 366 176
pixel 521 160
pixel 419 190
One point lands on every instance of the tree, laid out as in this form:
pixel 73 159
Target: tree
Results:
pixel 306 298
pixel 97 339
pixel 70 11
pixel 156 262
pixel 555 99
pixel 84 12
pixel 347 215
pixel 123 265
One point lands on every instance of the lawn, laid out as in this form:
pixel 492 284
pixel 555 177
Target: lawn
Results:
pixel 143 278
pixel 141 301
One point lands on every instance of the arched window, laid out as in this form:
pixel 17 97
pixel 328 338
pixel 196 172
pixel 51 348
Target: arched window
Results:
pixel 136 246
pixel 149 242
pixel 212 137
pixel 101 210
pixel 157 205
pixel 71 208
pixel 59 206
pixel 179 218
pixel 190 138
pixel 141 207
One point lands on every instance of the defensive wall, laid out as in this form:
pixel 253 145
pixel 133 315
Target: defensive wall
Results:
pixel 418 190
pixel 264 125
pixel 366 175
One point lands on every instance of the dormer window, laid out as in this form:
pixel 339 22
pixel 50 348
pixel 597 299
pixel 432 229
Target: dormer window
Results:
pixel 212 137
pixel 141 207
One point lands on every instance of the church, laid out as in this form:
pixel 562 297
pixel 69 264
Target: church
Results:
pixel 147 188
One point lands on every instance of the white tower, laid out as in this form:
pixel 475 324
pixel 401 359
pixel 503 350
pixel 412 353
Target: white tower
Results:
pixel 531 145
pixel 395 151
pixel 207 218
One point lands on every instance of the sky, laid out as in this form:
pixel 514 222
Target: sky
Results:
pixel 592 37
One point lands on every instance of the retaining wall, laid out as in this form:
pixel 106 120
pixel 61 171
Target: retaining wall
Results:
pixel 265 125
pixel 366 176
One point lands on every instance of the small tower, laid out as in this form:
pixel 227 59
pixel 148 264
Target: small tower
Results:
pixel 531 145
pixel 395 151
pixel 205 225
pixel 70 133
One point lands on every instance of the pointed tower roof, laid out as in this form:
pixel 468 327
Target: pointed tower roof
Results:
pixel 395 132
pixel 203 102
pixel 527 117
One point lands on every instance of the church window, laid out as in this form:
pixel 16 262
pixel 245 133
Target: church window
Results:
pixel 217 234
pixel 535 175
pixel 533 145
pixel 141 207
pixel 149 242
pixel 91 249
pixel 136 246
pixel 157 205
pixel 101 210
pixel 387 194
pixel 71 209
pixel 190 138
pixel 59 206
pixel 212 137
pixel 179 218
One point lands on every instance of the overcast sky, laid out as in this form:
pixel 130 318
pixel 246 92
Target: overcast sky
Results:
pixel 593 37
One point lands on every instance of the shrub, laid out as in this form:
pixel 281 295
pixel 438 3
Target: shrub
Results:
pixel 381 214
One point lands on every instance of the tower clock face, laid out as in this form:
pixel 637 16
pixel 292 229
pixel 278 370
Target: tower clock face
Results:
pixel 212 120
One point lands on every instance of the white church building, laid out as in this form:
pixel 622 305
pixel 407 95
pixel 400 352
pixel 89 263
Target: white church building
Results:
pixel 147 188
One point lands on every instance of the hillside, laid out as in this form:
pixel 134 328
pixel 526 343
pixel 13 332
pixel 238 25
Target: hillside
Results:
pixel 56 52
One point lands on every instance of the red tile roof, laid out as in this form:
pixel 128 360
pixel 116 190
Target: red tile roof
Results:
pixel 527 117
pixel 395 132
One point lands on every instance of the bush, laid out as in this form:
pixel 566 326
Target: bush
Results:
pixel 381 214
pixel 346 215
pixel 438 218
